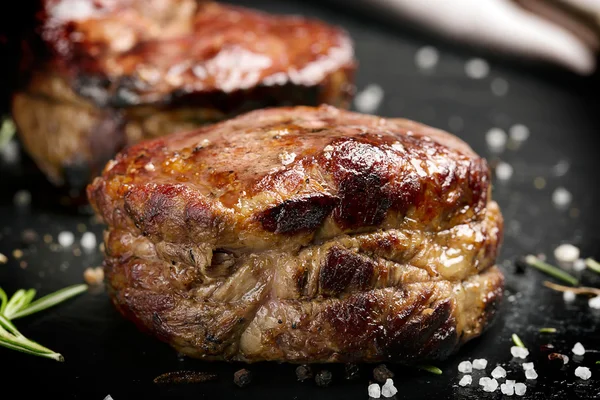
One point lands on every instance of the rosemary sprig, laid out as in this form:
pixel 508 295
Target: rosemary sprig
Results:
pixel 577 290
pixel 592 264
pixel 431 368
pixel 19 305
pixel 547 330
pixel 551 270
pixel 517 340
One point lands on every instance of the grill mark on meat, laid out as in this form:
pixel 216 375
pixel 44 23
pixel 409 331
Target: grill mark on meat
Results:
pixel 343 271
pixel 302 214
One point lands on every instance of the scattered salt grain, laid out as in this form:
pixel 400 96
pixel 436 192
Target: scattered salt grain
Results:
pixel 149 167
pixel 108 397
pixel 426 57
pixel 22 198
pixel 3 259
pixel 88 241
pixel 504 171
pixel 66 238
pixel 568 296
pixel 369 99
pixel 477 68
pixel 527 366
pixel 499 87
pixel 594 303
pixel 566 253
pixel 583 373
pixel 579 265
pixel 561 197
pixel 484 381
pixel 519 133
pixel 491 386
pixel 512 298
pixel 561 168
pixel 479 363
pixel 499 372
pixel 9 153
pixel 465 367
pixel 496 140
pixel 578 349
pixel 507 390
pixel 388 389
pixel 520 389
pixel 466 380
pixel 519 352
pixel 374 391
pixel 531 374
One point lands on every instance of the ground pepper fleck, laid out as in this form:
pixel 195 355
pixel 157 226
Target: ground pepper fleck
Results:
pixel 381 373
pixel 323 378
pixel 304 372
pixel 242 378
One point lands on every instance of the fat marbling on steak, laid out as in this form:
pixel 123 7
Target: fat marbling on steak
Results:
pixel 102 74
pixel 303 235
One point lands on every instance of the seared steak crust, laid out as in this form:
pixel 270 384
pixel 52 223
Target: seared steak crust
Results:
pixel 305 235
pixel 103 74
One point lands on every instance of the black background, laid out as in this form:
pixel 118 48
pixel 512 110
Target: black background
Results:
pixel 106 355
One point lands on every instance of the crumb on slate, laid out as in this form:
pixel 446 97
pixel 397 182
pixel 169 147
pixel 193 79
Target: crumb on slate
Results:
pixel 323 378
pixel 242 378
pixel 352 371
pixel 381 373
pixel 93 276
pixel 304 372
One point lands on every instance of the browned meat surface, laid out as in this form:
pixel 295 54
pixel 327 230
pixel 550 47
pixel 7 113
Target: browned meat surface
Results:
pixel 104 74
pixel 304 235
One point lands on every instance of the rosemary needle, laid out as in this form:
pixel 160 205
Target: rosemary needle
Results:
pixel 548 330
pixel 517 340
pixel 551 270
pixel 431 368
pixel 593 264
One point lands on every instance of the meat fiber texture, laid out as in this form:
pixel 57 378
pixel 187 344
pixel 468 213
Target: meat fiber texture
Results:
pixel 303 235
pixel 103 74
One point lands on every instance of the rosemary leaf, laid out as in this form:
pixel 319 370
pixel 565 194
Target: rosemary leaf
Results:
pixel 517 340
pixel 431 368
pixel 551 270
pixel 548 330
pixel 24 349
pixel 3 300
pixel 593 264
pixel 8 326
pixel 14 303
pixel 50 300
pixel 29 295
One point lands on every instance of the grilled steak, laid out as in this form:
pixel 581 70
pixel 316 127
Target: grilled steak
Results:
pixel 104 74
pixel 303 235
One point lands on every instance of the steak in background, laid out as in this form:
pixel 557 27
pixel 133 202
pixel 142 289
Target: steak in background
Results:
pixel 98 75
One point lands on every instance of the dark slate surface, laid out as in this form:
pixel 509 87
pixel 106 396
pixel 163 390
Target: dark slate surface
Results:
pixel 106 355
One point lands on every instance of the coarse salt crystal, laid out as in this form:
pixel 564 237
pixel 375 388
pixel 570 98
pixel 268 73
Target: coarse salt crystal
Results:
pixel 484 381
pixel 507 390
pixel 496 139
pixel 519 132
pixel 566 253
pixel 520 389
pixel 477 68
pixel 374 391
pixel 531 374
pixel 583 373
pixel 504 171
pixel 466 380
pixel 368 100
pixel 578 349
pixel 22 198
pixel 527 366
pixel 426 57
pixel 66 238
pixel 491 386
pixel 569 296
pixel 465 367
pixel 88 241
pixel 519 352
pixel 388 389
pixel 561 197
pixel 479 363
pixel 594 303
pixel 579 265
pixel 109 397
pixel 499 372
pixel 149 167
